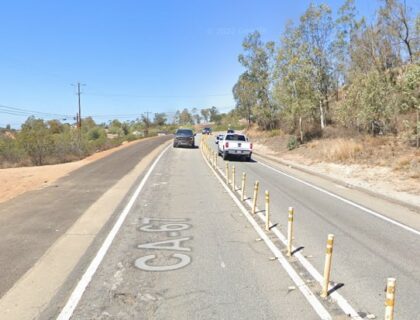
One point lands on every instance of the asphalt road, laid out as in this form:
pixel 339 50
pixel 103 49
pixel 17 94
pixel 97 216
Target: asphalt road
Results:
pixel 367 249
pixel 221 272
pixel 32 222
pixel 188 250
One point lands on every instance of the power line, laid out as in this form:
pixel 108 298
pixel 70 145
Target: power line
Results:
pixel 156 96
pixel 28 112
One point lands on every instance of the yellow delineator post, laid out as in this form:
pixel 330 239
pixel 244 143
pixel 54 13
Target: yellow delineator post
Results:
pixel 233 177
pixel 390 299
pixel 243 186
pixel 227 173
pixel 327 266
pixel 290 231
pixel 254 201
pixel 267 210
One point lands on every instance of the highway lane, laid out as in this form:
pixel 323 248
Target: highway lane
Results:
pixel 32 222
pixel 367 249
pixel 185 251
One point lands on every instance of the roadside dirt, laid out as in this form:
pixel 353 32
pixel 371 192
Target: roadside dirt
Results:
pixel 381 164
pixel 15 181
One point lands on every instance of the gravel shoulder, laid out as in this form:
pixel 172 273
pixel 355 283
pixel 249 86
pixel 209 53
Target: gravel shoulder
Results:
pixel 380 179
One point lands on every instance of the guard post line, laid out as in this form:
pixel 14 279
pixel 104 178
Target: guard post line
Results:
pixel 233 177
pixel 215 159
pixel 327 266
pixel 243 186
pixel 227 173
pixel 390 299
pixel 267 210
pixel 290 231
pixel 254 201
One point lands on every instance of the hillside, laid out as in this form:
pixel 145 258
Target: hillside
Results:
pixel 385 164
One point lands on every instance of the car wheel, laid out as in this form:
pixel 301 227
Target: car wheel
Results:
pixel 192 146
pixel 175 145
pixel 248 158
pixel 225 155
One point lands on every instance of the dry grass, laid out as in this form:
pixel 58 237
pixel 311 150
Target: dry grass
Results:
pixel 340 150
pixel 402 163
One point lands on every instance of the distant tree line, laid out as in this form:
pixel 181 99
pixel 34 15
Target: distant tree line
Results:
pixel 335 69
pixel 40 142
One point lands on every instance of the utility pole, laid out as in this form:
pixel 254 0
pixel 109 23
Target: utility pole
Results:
pixel 79 115
pixel 79 125
pixel 147 123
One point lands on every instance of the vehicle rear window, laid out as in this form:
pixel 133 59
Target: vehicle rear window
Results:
pixel 235 137
pixel 184 132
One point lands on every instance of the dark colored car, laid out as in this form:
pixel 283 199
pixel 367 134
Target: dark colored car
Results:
pixel 231 131
pixel 206 131
pixel 184 137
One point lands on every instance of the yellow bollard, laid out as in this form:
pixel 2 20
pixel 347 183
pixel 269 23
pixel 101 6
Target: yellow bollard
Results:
pixel 327 266
pixel 254 202
pixel 227 173
pixel 390 299
pixel 243 186
pixel 267 211
pixel 233 178
pixel 290 231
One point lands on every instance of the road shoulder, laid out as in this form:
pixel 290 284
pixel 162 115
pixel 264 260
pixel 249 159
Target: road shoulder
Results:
pixel 53 268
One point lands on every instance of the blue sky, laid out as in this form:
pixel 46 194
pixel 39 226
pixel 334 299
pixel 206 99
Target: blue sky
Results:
pixel 133 56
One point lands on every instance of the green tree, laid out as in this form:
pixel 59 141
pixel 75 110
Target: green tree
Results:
pixel 36 140
pixel 214 114
pixel 316 29
pixel 160 119
pixel 185 117
pixel 396 19
pixel 244 92
pixel 293 89
pixel 370 103
pixel 346 26
pixel 257 59
pixel 196 115
pixel 55 126
pixel 205 113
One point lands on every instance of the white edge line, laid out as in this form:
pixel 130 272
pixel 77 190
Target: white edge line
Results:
pixel 308 294
pixel 376 214
pixel 341 301
pixel 77 293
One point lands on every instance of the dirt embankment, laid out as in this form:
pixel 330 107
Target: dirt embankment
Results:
pixel 385 165
pixel 15 181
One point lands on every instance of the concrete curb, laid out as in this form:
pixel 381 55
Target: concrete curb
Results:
pixel 410 206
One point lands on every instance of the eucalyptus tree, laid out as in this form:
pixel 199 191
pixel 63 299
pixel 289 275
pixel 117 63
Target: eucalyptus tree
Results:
pixel 398 23
pixel 244 93
pixel 257 60
pixel 293 90
pixel 316 30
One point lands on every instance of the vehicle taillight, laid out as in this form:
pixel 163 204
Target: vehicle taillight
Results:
pixel 227 144
pixel 250 145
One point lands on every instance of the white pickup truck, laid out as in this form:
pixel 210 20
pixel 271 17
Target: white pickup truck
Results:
pixel 235 144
